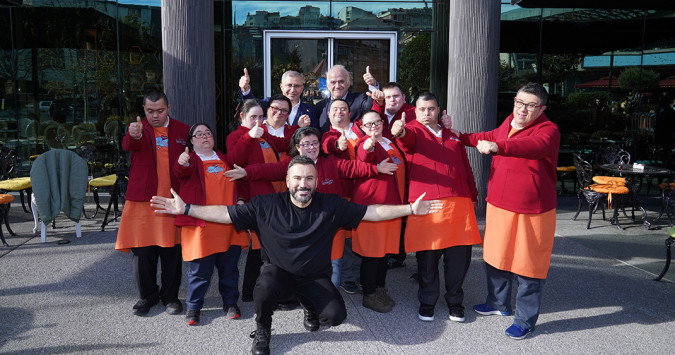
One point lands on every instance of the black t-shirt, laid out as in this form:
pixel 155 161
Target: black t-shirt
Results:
pixel 298 240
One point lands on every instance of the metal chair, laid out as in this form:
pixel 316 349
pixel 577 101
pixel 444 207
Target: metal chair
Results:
pixel 670 240
pixel 8 180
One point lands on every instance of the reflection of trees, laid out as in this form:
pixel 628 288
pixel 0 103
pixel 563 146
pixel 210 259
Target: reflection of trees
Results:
pixel 283 62
pixel 414 62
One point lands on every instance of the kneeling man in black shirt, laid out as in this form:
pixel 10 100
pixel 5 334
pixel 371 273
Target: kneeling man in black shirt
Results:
pixel 296 230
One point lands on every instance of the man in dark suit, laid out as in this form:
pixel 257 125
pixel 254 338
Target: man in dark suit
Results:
pixel 338 83
pixel 292 86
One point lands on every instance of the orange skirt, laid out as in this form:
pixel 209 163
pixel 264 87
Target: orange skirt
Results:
pixel 519 243
pixel 375 239
pixel 339 243
pixel 140 226
pixel 454 225
pixel 198 242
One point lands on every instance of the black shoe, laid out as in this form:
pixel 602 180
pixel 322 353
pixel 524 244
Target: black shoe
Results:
pixel 311 321
pixel 288 306
pixel 173 307
pixel 192 316
pixel 142 307
pixel 456 313
pixel 261 342
pixel 394 263
pixel 350 287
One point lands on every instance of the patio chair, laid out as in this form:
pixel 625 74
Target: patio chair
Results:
pixel 5 199
pixel 670 240
pixel 8 181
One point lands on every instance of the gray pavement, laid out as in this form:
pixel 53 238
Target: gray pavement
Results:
pixel 599 298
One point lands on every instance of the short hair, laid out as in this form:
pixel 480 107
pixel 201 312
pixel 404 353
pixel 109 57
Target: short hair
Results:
pixel 299 134
pixel 392 85
pixel 154 95
pixel 343 100
pixel 302 160
pixel 191 132
pixel 291 74
pixel 341 68
pixel 279 97
pixel 427 96
pixel 248 105
pixel 535 89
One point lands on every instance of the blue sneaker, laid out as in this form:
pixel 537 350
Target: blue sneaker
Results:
pixel 486 310
pixel 516 332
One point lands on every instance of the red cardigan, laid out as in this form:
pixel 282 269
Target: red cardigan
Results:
pixel 381 188
pixel 193 188
pixel 331 173
pixel 330 138
pixel 523 171
pixel 386 128
pixel 143 170
pixel 244 150
pixel 439 170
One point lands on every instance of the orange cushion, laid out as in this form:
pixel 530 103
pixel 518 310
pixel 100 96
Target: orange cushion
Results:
pixel 6 198
pixel 609 180
pixel 566 169
pixel 664 185
pixel 609 189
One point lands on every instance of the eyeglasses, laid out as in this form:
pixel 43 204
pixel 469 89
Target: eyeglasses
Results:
pixel 530 107
pixel 308 145
pixel 373 124
pixel 292 86
pixel 200 135
pixel 277 110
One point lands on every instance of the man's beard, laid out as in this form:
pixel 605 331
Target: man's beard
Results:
pixel 304 198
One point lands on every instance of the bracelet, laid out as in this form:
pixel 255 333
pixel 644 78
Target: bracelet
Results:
pixel 411 211
pixel 187 209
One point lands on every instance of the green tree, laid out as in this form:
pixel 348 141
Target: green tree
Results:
pixel 636 79
pixel 414 62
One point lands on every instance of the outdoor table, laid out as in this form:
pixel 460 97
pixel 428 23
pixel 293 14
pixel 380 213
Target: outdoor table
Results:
pixel 633 182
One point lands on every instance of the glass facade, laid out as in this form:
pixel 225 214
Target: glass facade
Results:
pixel 73 72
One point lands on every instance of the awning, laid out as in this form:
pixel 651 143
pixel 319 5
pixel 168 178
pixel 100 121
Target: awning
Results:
pixel 599 83
pixel 668 82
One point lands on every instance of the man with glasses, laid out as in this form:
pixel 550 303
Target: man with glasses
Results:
pixel 520 218
pixel 338 83
pixel 155 144
pixel 292 86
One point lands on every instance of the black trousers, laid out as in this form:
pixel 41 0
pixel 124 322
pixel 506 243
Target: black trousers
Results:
pixel 373 273
pixel 318 295
pixel 251 272
pixel 455 265
pixel 145 271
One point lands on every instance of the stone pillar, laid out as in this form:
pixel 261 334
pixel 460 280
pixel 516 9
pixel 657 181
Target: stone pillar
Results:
pixel 188 60
pixel 473 68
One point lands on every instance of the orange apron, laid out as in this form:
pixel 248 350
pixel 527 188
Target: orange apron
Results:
pixel 140 226
pixel 198 242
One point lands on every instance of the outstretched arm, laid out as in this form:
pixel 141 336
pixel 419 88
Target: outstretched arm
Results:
pixel 376 213
pixel 175 205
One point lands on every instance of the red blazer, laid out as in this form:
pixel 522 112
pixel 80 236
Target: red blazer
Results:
pixel 381 188
pixel 331 173
pixel 193 188
pixel 439 170
pixel 244 150
pixel 143 170
pixel 330 138
pixel 386 128
pixel 523 171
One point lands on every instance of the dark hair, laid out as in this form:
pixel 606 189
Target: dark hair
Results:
pixel 244 109
pixel 155 95
pixel 536 90
pixel 302 160
pixel 336 100
pixel 191 132
pixel 299 135
pixel 279 97
pixel 427 96
pixel 391 85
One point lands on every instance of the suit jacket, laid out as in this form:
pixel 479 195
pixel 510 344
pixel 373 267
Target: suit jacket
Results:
pixel 304 109
pixel 358 104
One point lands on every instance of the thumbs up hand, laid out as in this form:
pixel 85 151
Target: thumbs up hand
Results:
pixel 446 120
pixel 369 144
pixel 244 81
pixel 342 142
pixel 369 78
pixel 136 128
pixel 257 131
pixel 184 158
pixel 377 95
pixel 398 127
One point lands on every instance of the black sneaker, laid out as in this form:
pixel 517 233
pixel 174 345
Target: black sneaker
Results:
pixel 192 316
pixel 350 287
pixel 311 321
pixel 142 307
pixel 232 311
pixel 456 313
pixel 173 307
pixel 261 342
pixel 426 313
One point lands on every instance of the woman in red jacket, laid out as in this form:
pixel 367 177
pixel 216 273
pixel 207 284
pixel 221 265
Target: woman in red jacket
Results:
pixel 374 240
pixel 251 144
pixel 205 244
